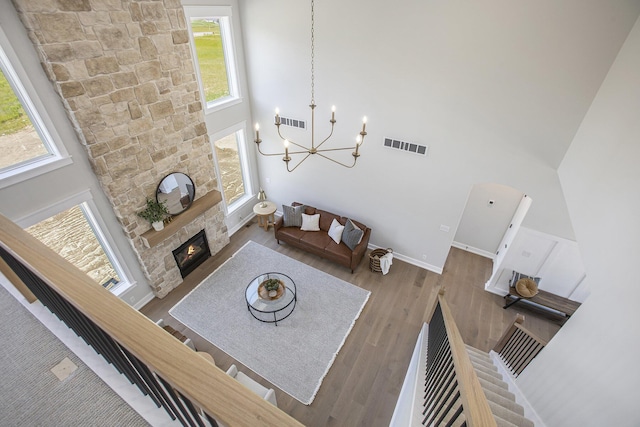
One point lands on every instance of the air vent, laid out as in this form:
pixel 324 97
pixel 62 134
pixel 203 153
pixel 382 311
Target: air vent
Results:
pixel 406 146
pixel 293 123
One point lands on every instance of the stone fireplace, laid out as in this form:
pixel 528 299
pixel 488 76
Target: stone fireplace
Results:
pixel 124 71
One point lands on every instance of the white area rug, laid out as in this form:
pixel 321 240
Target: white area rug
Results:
pixel 294 356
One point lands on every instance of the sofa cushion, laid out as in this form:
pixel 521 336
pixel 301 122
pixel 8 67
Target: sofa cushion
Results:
pixel 310 222
pixel 315 241
pixel 290 233
pixel 335 231
pixel 339 253
pixel 352 235
pixel 292 215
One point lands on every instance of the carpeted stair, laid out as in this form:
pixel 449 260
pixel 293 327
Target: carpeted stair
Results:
pixel 501 401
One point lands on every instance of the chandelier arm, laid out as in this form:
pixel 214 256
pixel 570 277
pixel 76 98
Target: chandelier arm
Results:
pixel 305 151
pixel 335 149
pixel 291 142
pixel 298 145
pixel 298 164
pixel 268 154
pixel 340 163
pixel 327 138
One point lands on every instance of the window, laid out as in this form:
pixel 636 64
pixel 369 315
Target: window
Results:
pixel 75 235
pixel 212 47
pixel 229 148
pixel 27 147
pixel 19 141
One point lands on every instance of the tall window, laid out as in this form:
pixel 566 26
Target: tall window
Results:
pixel 229 148
pixel 75 235
pixel 212 30
pixel 212 46
pixel 26 144
pixel 19 141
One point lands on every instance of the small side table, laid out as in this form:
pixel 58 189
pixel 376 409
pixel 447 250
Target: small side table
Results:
pixel 265 215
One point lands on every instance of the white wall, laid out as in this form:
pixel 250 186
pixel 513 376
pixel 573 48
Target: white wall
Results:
pixel 483 224
pixel 23 199
pixel 496 89
pixel 588 375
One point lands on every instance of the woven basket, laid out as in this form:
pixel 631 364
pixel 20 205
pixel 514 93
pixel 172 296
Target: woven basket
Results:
pixel 374 259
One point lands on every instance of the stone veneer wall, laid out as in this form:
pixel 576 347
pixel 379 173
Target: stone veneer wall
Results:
pixel 124 71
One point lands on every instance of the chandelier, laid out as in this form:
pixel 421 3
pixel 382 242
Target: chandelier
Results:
pixel 306 151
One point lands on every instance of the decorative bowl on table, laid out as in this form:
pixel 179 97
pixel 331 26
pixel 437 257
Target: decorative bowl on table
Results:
pixel 271 289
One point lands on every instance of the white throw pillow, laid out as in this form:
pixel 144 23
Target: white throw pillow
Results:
pixel 335 231
pixel 310 222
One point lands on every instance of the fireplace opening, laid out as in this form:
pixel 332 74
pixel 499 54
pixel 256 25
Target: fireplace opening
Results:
pixel 192 253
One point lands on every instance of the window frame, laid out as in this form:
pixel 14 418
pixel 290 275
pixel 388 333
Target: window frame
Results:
pixel 224 14
pixel 84 201
pixel 22 87
pixel 241 138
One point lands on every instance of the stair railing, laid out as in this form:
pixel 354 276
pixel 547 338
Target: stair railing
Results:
pixel 452 393
pixel 190 388
pixel 518 347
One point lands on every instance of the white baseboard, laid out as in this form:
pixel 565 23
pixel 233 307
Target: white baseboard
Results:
pixel 241 224
pixel 529 412
pixel 473 250
pixel 494 290
pixel 141 303
pixel 410 260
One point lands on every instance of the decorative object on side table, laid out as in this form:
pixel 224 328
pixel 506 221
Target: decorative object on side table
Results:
pixel 155 213
pixel 263 198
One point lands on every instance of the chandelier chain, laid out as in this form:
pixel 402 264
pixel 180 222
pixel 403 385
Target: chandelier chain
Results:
pixel 312 54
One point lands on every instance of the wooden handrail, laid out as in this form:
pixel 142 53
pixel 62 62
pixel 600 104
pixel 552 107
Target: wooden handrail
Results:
pixel 206 385
pixel 517 324
pixel 474 403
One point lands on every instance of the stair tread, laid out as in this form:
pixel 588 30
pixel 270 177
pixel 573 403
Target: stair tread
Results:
pixel 504 392
pixel 504 402
pixel 509 415
pixel 503 423
pixel 487 363
pixel 494 373
pixel 492 379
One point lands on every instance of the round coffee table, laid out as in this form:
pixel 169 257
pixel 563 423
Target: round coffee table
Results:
pixel 271 309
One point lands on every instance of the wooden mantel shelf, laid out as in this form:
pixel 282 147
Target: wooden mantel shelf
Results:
pixel 152 238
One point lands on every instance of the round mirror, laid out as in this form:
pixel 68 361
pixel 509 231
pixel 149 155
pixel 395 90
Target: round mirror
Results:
pixel 177 191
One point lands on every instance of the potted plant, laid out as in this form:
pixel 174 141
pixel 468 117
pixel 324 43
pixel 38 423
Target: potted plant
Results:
pixel 272 286
pixel 155 213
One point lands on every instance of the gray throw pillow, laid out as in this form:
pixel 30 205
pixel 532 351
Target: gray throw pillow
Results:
pixel 292 216
pixel 351 235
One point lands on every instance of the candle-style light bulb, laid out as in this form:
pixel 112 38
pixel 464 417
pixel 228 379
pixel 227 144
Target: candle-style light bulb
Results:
pixel 286 150
pixel 333 113
pixel 257 132
pixel 358 143
pixel 364 123
pixel 277 116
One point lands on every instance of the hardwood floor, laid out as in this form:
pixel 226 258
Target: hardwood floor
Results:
pixel 363 384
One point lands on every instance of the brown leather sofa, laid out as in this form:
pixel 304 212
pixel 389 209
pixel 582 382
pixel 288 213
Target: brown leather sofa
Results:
pixel 319 242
